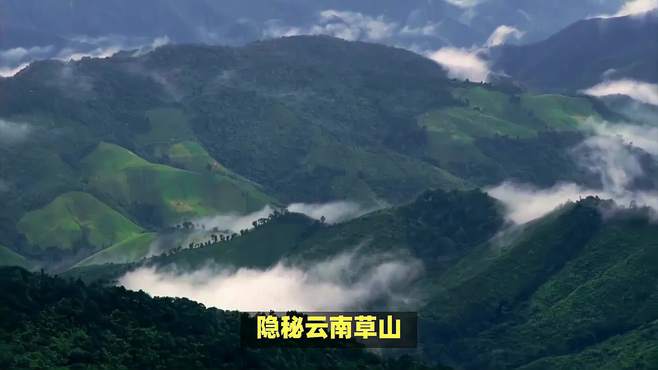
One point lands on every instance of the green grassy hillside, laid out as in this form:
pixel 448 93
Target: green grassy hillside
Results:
pixel 126 251
pixel 162 194
pixel 188 131
pixel 75 221
pixel 459 138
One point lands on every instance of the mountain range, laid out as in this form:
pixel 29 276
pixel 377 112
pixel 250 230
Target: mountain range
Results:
pixel 587 53
pixel 118 148
pixel 573 287
pixel 315 173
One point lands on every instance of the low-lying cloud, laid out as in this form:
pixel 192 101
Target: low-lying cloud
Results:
pixel 333 212
pixel 107 46
pixel 644 137
pixel 73 55
pixel 638 90
pixel 13 132
pixel 471 63
pixel 233 222
pixel 462 63
pixel 15 60
pixel 20 54
pixel 612 153
pixel 12 71
pixel 349 281
pixel 203 228
pixel 465 3
pixel 525 202
pixel 343 24
pixel 612 159
pixel 502 34
pixel 635 7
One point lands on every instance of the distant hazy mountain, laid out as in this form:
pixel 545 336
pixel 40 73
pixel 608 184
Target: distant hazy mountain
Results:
pixel 419 24
pixel 586 53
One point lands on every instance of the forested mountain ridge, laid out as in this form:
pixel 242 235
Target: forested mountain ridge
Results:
pixel 308 119
pixel 52 323
pixel 586 53
pixel 573 287
pixel 167 166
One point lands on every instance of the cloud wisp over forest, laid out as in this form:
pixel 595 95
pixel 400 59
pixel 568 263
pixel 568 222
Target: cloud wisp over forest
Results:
pixel 348 281
pixel 613 152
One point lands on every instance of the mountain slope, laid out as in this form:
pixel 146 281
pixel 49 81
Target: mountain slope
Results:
pixel 576 285
pixel 126 251
pixel 68 324
pixel 438 226
pixel 11 258
pixel 587 52
pixel 162 195
pixel 291 106
pixel 188 131
pixel 75 221
pixel 566 286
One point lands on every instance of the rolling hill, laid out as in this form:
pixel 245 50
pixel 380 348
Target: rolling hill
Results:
pixel 162 195
pixel 188 131
pixel 74 221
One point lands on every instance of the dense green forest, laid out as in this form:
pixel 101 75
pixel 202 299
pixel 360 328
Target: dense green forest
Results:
pixel 52 323
pixel 574 287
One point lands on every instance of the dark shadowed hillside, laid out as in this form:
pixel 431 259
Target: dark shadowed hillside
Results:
pixel 67 324
pixel 586 53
